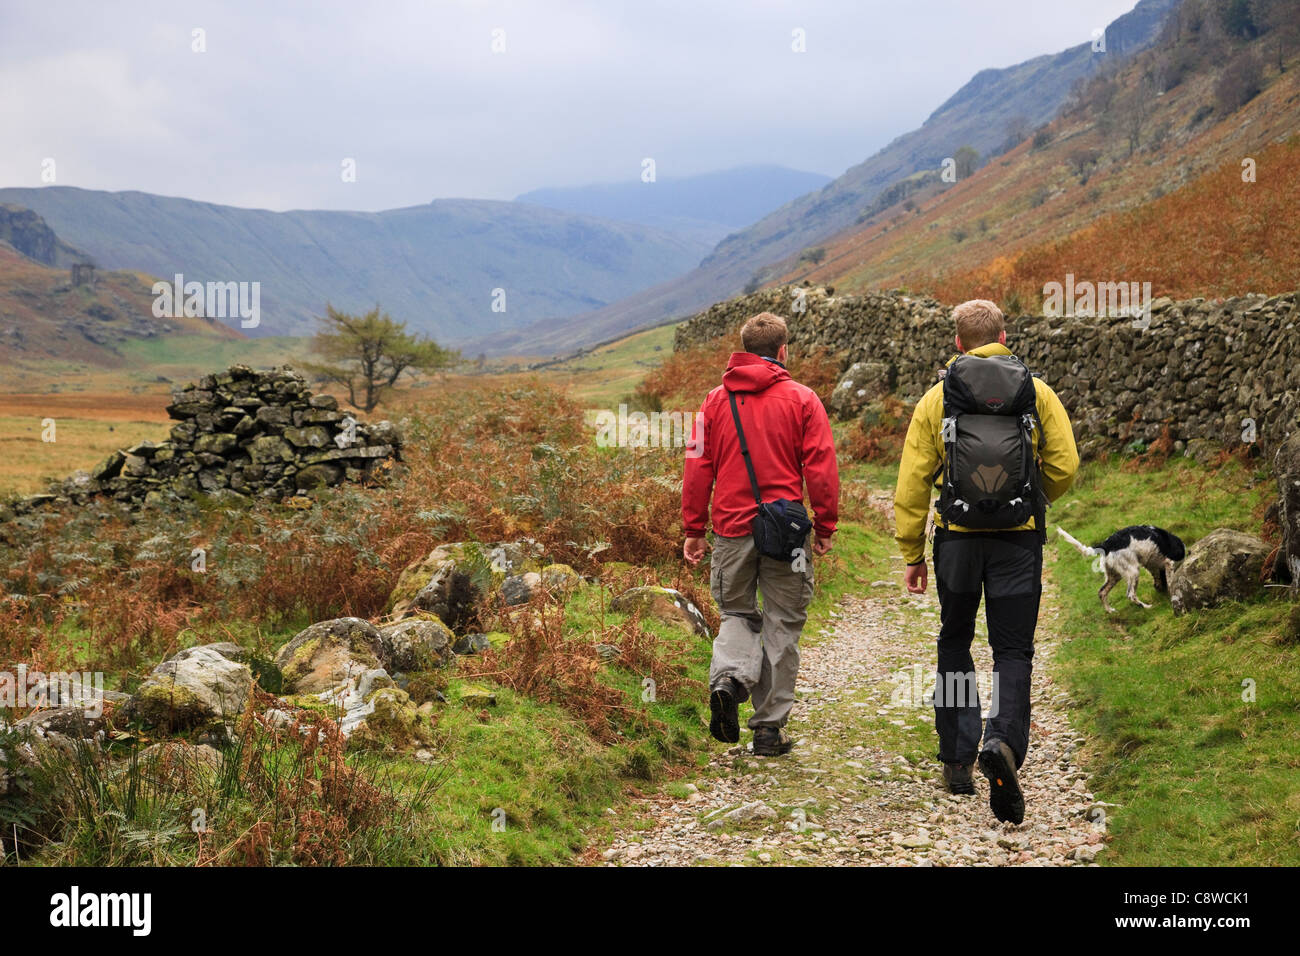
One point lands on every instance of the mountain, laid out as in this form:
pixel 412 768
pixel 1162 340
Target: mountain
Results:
pixel 977 115
pixel 705 208
pixel 30 235
pixel 1140 179
pixel 435 266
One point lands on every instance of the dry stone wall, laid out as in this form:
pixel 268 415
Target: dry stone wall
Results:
pixel 244 432
pixel 1225 371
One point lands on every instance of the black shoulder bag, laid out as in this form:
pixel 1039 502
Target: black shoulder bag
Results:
pixel 780 526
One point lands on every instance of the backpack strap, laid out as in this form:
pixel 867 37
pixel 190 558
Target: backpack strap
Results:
pixel 744 448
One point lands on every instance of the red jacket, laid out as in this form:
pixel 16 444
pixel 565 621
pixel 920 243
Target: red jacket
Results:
pixel 790 444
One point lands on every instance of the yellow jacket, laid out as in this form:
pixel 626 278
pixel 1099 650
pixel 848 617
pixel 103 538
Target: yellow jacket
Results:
pixel 923 453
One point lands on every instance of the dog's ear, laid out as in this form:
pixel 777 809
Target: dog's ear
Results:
pixel 1176 549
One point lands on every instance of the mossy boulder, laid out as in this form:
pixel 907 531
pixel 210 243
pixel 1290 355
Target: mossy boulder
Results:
pixel 863 382
pixel 199 688
pixel 416 643
pixel 1225 565
pixel 328 654
pixel 662 604
pixel 393 722
pixel 453 579
pixel 476 696
pixel 560 578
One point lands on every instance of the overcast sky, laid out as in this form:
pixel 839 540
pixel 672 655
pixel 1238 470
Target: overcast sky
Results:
pixel 114 93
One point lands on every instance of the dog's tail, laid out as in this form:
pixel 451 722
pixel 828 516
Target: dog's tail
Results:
pixel 1084 550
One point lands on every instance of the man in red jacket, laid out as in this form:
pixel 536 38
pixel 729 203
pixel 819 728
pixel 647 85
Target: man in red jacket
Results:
pixel 756 653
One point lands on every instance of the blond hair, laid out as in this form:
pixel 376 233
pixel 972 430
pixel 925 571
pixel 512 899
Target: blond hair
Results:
pixel 979 322
pixel 764 334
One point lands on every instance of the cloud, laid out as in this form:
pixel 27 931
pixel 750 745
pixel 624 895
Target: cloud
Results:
pixel 414 92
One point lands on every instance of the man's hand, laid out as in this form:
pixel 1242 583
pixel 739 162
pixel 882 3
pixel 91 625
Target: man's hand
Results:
pixel 916 577
pixel 821 545
pixel 693 550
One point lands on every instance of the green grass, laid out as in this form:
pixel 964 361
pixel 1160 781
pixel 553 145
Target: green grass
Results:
pixel 611 372
pixel 1201 776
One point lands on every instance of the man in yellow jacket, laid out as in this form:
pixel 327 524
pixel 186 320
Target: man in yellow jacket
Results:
pixel 1003 564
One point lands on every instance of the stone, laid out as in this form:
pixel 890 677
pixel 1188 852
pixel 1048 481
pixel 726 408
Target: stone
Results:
pixel 110 467
pixel 416 643
pixel 227 649
pixel 477 696
pixel 472 644
pixel 217 443
pixel 560 578
pixel 1225 565
pixel 203 687
pixel 319 475
pixel 269 450
pixel 518 589
pixel 662 604
pixel 328 654
pixel 313 436
pixel 863 382
pixel 391 722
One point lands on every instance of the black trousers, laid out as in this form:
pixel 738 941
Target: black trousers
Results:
pixel 1007 568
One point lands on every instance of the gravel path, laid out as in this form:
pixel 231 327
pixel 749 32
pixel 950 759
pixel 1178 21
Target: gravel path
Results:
pixel 862 785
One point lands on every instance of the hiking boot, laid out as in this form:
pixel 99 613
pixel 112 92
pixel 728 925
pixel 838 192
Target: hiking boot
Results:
pixel 957 778
pixel 724 707
pixel 771 742
pixel 998 763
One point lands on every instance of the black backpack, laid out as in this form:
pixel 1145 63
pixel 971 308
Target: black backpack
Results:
pixel 990 426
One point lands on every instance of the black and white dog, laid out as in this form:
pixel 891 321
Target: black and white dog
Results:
pixel 1126 552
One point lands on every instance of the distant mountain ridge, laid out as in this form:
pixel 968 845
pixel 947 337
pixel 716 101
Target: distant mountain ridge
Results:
pixel 437 266
pixel 976 115
pixel 706 207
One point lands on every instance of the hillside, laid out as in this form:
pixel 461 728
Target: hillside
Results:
pixel 705 208
pixel 434 266
pixel 977 115
pixel 1174 210
pixel 49 323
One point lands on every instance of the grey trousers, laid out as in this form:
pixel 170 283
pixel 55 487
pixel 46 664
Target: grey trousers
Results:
pixel 759 648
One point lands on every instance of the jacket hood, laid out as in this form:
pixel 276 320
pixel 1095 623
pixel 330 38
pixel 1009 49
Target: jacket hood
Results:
pixel 747 372
pixel 984 351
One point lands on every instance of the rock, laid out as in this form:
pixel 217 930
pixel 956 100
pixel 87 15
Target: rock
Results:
pixel 448 583
pixel 560 578
pixel 477 696
pixel 518 588
pixel 201 688
pixel 328 654
pixel 320 475
pixel 1202 451
pixel 415 644
pixel 662 604
pixel 1225 565
pixel 313 436
pixel 472 644
pixel 392 723
pixel 227 649
pixel 270 450
pixel 745 813
pixel 110 467
pixel 862 383
pixel 63 725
